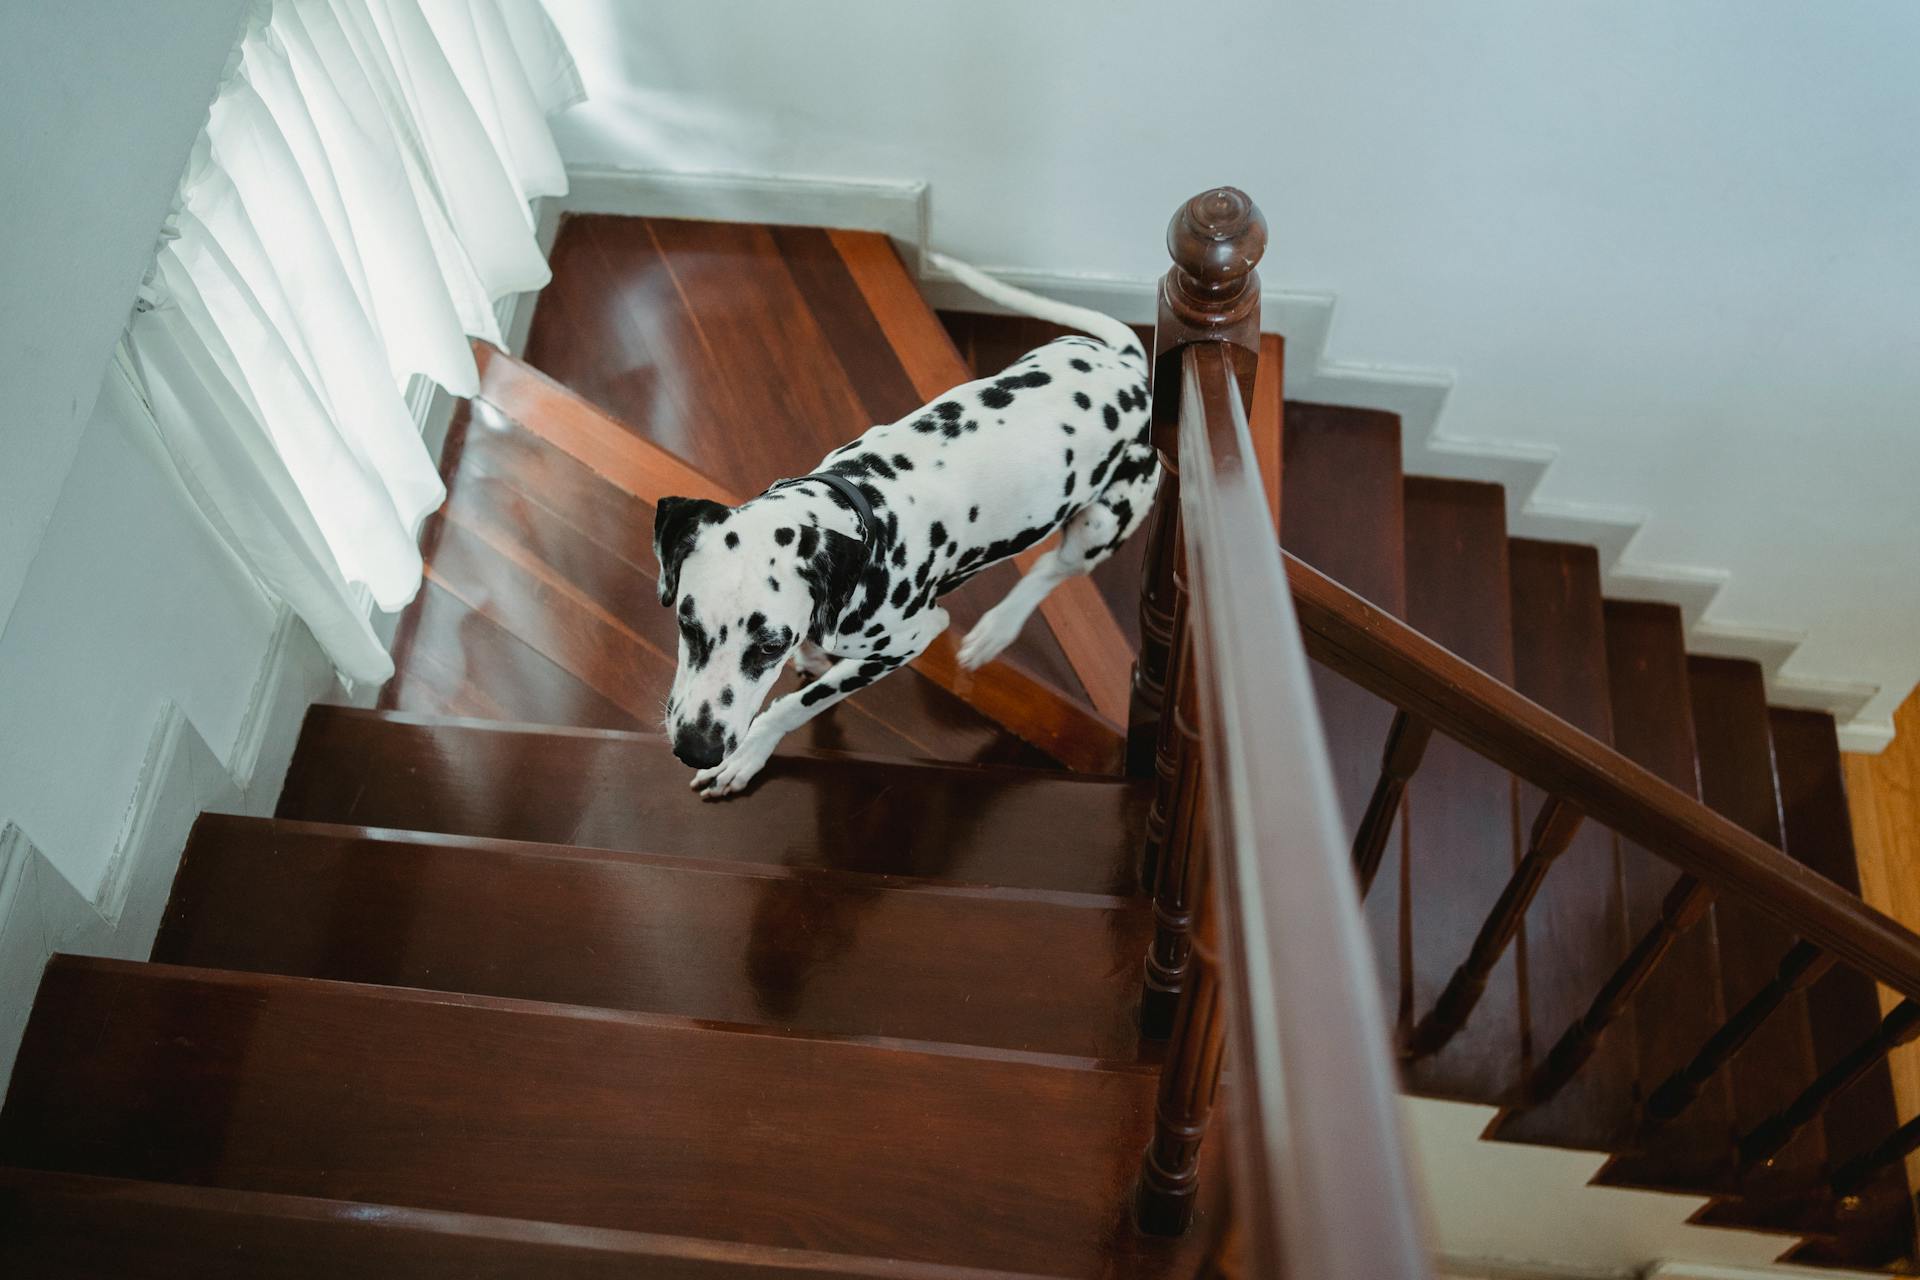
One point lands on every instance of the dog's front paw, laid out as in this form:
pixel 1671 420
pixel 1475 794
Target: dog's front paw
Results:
pixel 731 775
pixel 989 637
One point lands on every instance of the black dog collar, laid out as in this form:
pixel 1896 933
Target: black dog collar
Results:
pixel 862 509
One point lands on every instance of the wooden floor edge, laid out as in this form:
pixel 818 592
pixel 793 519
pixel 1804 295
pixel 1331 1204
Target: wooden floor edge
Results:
pixel 1020 702
pixel 231 1202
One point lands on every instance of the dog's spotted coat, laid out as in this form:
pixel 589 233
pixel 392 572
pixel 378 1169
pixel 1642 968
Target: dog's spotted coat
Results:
pixel 1057 441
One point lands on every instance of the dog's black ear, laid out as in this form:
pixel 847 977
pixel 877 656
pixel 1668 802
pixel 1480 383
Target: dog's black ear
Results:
pixel 832 577
pixel 675 521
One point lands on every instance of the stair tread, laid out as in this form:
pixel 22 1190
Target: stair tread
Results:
pixel 1341 511
pixel 755 353
pixel 1844 1006
pixel 1458 817
pixel 1574 933
pixel 634 1122
pixel 606 789
pixel 580 590
pixel 543 598
pixel 1679 1006
pixel 1737 779
pixel 805 949
pixel 65 1226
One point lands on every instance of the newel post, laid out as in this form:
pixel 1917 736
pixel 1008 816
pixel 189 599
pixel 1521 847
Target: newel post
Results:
pixel 1210 294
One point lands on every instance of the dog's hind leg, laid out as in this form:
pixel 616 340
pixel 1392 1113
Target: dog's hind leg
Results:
pixel 1089 536
pixel 785 714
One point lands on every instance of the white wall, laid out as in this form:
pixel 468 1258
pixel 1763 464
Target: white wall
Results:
pixel 100 101
pixel 131 603
pixel 1672 241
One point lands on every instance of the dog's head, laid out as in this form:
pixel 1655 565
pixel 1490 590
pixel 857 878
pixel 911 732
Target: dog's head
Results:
pixel 746 586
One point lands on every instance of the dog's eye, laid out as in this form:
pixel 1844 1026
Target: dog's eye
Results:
pixel 770 649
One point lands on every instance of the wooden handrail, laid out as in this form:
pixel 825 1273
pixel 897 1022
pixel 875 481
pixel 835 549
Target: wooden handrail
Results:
pixel 1323 1180
pixel 1385 656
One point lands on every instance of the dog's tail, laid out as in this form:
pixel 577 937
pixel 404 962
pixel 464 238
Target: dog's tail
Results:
pixel 1104 327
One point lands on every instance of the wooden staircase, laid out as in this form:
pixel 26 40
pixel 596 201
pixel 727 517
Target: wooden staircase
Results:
pixel 494 994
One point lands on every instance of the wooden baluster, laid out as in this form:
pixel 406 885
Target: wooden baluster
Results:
pixel 1853 1176
pixel 1765 1140
pixel 1210 294
pixel 1180 864
pixel 1553 831
pixel 1802 965
pixel 1166 755
pixel 1170 1172
pixel 1682 908
pixel 1406 744
pixel 1158 592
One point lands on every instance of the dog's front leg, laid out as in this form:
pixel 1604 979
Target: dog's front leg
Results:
pixel 783 715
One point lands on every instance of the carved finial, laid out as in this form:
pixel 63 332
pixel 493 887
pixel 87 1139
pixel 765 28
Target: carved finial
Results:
pixel 1216 240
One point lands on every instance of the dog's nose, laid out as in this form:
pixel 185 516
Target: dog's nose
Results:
pixel 699 748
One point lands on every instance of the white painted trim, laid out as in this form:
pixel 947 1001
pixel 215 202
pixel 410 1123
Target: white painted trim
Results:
pixel 41 912
pixel 898 209
pixel 1779 1271
pixel 1419 397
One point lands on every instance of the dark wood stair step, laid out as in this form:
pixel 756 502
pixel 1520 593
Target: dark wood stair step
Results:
pixel 1735 750
pixel 1575 932
pixel 64 1226
pixel 1842 1010
pixel 1679 1006
pixel 1458 815
pixel 1341 511
pixel 542 604
pixel 611 790
pixel 799 949
pixel 503 1108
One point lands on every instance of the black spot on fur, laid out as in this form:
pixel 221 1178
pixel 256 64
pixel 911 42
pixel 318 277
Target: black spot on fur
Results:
pixel 950 410
pixel 783 536
pixel 1080 397
pixel 774 583
pixel 733 540
pixel 996 397
pixel 1112 416
pixel 901 462
pixel 809 542
pixel 1082 366
pixel 901 592
pixel 973 514
pixel 938 533
pixel 726 696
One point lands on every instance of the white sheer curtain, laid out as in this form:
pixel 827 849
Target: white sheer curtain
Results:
pixel 358 202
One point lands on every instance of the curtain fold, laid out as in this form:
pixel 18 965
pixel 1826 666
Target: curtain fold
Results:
pixel 357 202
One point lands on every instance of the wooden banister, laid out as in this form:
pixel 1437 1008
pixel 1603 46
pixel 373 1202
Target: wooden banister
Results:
pixel 1260 952
pixel 1323 1186
pixel 1382 654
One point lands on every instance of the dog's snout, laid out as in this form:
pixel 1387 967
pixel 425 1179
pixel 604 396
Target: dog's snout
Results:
pixel 700 748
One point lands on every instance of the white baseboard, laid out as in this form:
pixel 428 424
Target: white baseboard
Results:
pixel 40 910
pixel 899 209
pixel 1419 397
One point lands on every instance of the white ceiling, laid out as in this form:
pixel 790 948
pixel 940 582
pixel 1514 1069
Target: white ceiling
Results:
pixel 1672 245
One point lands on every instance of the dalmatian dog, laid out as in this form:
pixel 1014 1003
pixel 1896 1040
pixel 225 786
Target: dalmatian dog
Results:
pixel 839 570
